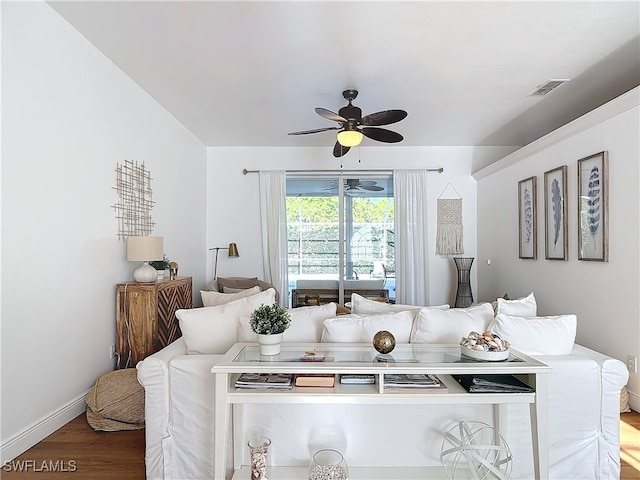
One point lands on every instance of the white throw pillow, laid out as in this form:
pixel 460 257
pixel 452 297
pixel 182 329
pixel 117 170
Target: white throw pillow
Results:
pixel 449 326
pixel 554 335
pixel 521 307
pixel 213 330
pixel 306 324
pixel 363 306
pixel 213 299
pixel 356 328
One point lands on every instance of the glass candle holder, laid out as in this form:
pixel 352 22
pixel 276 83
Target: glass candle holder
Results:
pixel 328 464
pixel 258 451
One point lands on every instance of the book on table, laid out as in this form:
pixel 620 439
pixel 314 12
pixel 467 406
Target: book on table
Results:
pixel 492 384
pixel 265 380
pixel 315 380
pixel 357 379
pixel 411 380
pixel 418 383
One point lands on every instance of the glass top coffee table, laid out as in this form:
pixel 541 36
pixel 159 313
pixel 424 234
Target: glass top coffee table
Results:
pixel 341 354
pixel 338 359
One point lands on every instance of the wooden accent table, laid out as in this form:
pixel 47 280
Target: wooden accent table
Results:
pixel 145 317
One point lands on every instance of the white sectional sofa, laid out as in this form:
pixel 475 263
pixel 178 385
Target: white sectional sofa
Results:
pixel 584 389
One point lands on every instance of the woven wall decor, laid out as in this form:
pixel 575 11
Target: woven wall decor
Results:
pixel 135 200
pixel 449 232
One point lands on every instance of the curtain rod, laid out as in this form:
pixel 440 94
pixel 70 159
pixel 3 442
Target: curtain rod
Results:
pixel 337 172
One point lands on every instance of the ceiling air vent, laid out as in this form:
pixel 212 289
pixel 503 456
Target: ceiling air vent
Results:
pixel 547 87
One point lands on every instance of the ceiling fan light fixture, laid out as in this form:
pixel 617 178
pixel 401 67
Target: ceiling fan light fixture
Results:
pixel 352 126
pixel 350 138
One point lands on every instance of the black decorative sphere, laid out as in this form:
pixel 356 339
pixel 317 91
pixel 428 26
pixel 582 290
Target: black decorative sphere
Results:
pixel 384 341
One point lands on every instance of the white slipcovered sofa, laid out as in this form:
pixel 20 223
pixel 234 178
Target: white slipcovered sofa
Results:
pixel 584 389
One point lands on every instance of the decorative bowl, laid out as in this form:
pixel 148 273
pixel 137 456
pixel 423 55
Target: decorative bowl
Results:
pixel 484 355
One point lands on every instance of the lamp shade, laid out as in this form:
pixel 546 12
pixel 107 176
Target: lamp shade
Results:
pixel 349 138
pixel 145 249
pixel 233 250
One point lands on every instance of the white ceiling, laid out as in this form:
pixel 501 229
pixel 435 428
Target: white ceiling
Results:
pixel 243 73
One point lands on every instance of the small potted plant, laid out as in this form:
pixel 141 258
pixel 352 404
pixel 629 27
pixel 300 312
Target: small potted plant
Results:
pixel 269 322
pixel 160 266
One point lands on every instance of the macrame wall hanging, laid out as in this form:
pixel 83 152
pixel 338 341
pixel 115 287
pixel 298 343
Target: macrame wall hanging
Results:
pixel 449 232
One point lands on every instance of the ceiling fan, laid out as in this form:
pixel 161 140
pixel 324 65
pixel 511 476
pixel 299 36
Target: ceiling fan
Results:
pixel 353 184
pixel 353 126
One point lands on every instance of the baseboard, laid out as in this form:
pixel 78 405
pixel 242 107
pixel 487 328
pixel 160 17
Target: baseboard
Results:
pixel 27 438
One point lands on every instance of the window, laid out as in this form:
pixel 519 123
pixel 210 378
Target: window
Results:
pixel 340 238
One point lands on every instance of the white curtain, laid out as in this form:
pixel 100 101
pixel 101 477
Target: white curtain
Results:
pixel 273 217
pixel 411 238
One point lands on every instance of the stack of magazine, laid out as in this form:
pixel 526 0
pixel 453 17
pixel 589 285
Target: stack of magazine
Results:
pixel 492 384
pixel 265 380
pixel 413 382
pixel 357 379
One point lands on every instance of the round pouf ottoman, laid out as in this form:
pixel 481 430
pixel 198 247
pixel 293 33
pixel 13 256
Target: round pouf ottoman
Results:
pixel 116 402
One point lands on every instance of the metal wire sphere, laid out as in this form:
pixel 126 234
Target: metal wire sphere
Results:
pixel 475 450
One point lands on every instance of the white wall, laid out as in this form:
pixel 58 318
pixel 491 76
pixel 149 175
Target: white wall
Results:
pixel 233 199
pixel 605 296
pixel 68 117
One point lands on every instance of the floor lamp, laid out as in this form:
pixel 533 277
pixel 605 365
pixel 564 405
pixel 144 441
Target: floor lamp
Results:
pixel 233 253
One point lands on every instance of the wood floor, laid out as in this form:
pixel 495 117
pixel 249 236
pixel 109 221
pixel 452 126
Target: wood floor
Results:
pixel 77 452
pixel 630 446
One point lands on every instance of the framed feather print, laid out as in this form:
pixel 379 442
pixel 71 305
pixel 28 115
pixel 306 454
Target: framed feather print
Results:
pixel 593 218
pixel 555 214
pixel 527 201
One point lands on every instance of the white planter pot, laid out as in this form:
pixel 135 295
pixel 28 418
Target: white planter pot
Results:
pixel 270 344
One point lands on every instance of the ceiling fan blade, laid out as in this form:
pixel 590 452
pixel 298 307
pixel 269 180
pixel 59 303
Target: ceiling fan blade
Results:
pixel 367 182
pixel 372 188
pixel 382 134
pixel 329 115
pixel 339 150
pixel 385 117
pixel 317 130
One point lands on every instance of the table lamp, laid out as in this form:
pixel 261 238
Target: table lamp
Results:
pixel 145 249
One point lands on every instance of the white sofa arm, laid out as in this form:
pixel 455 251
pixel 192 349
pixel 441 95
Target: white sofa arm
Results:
pixel 191 411
pixel 153 375
pixel 614 372
pixel 584 412
pixel 613 376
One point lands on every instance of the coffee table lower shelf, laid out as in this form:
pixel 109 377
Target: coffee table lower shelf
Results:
pixel 355 473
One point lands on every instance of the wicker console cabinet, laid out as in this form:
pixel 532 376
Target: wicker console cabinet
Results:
pixel 145 317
